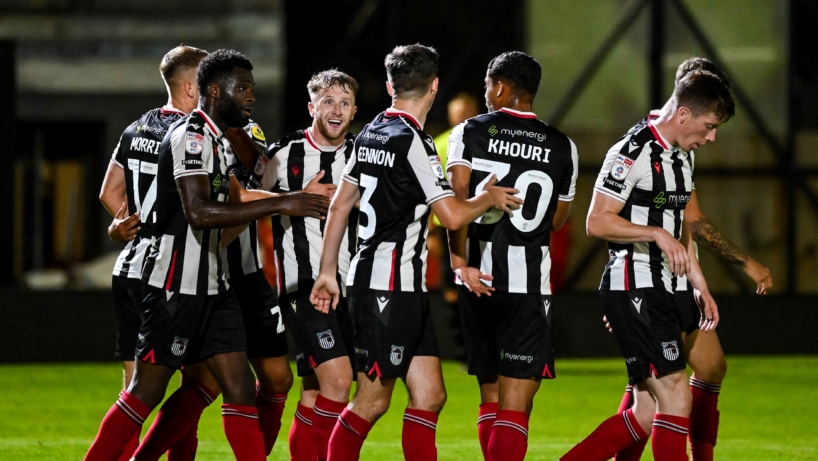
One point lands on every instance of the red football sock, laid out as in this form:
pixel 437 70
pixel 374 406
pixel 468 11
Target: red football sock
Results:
pixel 325 415
pixel 300 439
pixel 348 437
pixel 176 418
pixel 243 432
pixel 185 449
pixel 130 448
pixel 270 407
pixel 632 452
pixel 123 420
pixel 668 437
pixel 627 400
pixel 704 419
pixel 418 438
pixel 509 436
pixel 614 434
pixel 485 421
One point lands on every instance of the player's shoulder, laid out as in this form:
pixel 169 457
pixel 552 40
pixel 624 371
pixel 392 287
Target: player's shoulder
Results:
pixel 634 143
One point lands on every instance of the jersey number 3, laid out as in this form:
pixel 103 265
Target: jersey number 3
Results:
pixel 524 181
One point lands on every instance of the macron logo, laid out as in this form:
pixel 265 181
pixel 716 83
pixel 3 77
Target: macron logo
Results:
pixel 637 303
pixel 382 302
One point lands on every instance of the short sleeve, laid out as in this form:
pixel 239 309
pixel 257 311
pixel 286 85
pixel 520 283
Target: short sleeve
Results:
pixel 621 171
pixel 692 170
pixel 457 153
pixel 118 158
pixel 568 188
pixel 425 164
pixel 192 151
pixel 352 171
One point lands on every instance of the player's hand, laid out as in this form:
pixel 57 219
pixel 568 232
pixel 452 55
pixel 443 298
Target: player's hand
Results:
pixel 678 258
pixel 325 293
pixel 710 312
pixel 124 229
pixel 503 198
pixel 315 187
pixel 607 323
pixel 302 203
pixel 760 274
pixel 472 279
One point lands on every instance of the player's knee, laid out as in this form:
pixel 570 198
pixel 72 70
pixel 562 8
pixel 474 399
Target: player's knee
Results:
pixel 429 401
pixel 277 381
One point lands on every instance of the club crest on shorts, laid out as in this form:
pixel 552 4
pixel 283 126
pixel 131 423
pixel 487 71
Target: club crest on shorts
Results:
pixel 396 356
pixel 325 339
pixel 670 350
pixel 179 346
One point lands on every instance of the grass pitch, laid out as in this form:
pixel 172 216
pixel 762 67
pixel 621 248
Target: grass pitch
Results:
pixel 769 411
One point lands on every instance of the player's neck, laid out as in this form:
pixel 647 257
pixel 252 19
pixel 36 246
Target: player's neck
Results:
pixel 417 108
pixel 321 141
pixel 518 106
pixel 181 102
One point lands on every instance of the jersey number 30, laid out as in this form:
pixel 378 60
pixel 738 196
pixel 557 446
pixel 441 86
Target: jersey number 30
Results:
pixel 524 181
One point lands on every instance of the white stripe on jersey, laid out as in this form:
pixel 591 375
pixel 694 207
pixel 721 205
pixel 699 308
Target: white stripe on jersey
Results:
pixel 668 221
pixel 249 263
pixel 573 190
pixel 120 260
pixel 641 252
pixel 407 269
pixel 619 270
pixel 545 270
pixel 214 259
pixel 382 266
pixel 517 270
pixel 163 261
pixel 190 266
pixel 485 259
pixel 290 264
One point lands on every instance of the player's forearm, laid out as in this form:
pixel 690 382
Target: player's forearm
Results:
pixel 613 228
pixel 706 234
pixel 333 235
pixel 464 211
pixel 210 214
pixel 457 247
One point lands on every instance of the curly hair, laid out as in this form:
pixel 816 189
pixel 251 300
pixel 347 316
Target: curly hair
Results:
pixel 219 64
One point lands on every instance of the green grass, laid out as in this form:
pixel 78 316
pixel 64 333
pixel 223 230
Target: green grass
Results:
pixel 769 409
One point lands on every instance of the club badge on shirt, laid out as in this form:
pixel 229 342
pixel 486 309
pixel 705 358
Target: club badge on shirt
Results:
pixel 621 167
pixel 194 143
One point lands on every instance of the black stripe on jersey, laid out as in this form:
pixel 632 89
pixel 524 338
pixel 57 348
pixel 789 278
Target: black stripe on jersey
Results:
pixel 417 262
pixel 295 180
pixel 677 213
pixel 204 255
pixel 656 215
pixel 327 159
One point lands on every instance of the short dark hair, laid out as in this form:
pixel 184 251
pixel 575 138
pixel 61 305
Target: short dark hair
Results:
pixel 519 70
pixel 695 63
pixel 218 65
pixel 180 59
pixel 704 92
pixel 327 79
pixel 411 69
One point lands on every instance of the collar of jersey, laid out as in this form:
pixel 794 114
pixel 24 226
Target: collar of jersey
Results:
pixel 662 141
pixel 217 133
pixel 166 109
pixel 399 113
pixel 308 135
pixel 517 113
pixel 654 114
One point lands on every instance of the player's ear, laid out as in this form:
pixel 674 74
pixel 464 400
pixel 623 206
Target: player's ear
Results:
pixel 435 83
pixel 191 90
pixel 683 113
pixel 310 108
pixel 213 90
pixel 389 89
pixel 352 115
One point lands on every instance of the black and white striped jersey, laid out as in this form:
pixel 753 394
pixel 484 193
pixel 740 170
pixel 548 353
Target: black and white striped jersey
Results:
pixel 242 255
pixel 399 174
pixel 538 160
pixel 288 166
pixel 655 181
pixel 182 259
pixel 137 154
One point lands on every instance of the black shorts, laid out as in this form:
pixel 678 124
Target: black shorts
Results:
pixel 186 329
pixel 688 310
pixel 507 334
pixel 391 328
pixel 318 337
pixel 128 321
pixel 648 327
pixel 263 322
